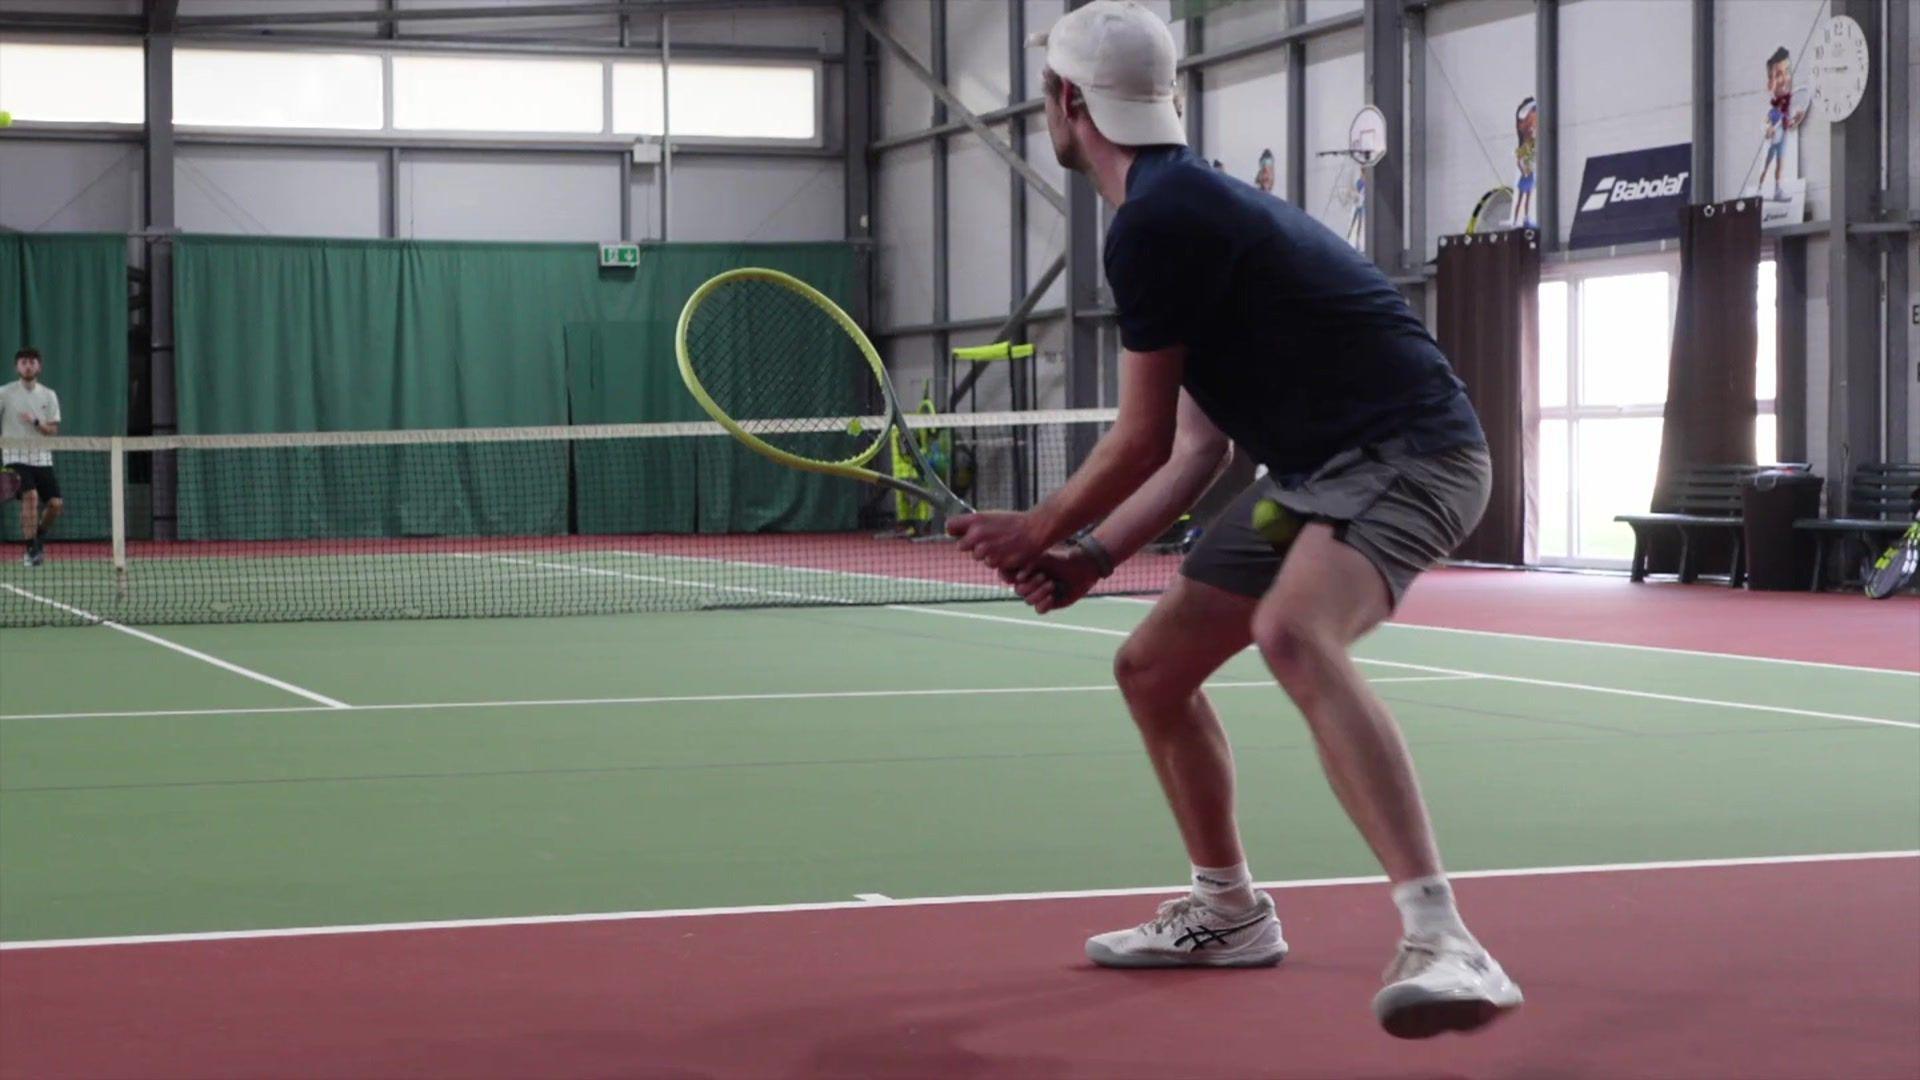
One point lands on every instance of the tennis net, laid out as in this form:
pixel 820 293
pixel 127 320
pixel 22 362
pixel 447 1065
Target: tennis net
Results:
pixel 458 523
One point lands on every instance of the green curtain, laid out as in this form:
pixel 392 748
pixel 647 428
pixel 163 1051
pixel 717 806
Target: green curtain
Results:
pixel 66 295
pixel 331 335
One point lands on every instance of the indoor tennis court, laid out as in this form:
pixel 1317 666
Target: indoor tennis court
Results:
pixel 689 538
pixel 731 843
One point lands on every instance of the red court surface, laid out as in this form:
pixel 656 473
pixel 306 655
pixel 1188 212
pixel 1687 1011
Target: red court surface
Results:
pixel 1799 970
pixel 1832 628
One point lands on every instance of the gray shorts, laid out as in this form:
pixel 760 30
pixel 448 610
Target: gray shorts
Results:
pixel 1403 511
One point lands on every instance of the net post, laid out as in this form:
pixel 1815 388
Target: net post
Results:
pixel 117 482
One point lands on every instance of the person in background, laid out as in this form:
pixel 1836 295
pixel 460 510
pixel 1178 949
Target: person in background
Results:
pixel 29 409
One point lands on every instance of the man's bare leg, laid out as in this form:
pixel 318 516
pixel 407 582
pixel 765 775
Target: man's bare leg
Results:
pixel 1190 632
pixel 1327 596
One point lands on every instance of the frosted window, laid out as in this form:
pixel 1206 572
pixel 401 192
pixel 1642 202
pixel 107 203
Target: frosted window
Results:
pixel 1556 474
pixel 458 93
pixel 261 89
pixel 1767 375
pixel 79 84
pixel 1553 343
pixel 719 101
pixel 1623 339
pixel 637 99
pixel 1617 462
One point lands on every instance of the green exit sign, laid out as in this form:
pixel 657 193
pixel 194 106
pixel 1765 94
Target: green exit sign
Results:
pixel 626 255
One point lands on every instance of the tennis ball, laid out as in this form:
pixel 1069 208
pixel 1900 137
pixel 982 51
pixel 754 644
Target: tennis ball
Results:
pixel 6 118
pixel 855 427
pixel 1274 523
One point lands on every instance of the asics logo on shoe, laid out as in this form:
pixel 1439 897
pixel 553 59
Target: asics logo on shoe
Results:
pixel 1479 964
pixel 1199 937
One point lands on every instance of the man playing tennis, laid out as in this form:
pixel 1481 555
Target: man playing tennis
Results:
pixel 1244 319
pixel 31 410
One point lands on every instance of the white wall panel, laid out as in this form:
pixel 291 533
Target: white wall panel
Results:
pixel 1745 35
pixel 471 196
pixel 597 28
pixel 1479 68
pixel 1327 9
pixel 1242 22
pixel 906 104
pixel 1336 78
pixel 766 199
pixel 1625 83
pixel 194 8
pixel 812 28
pixel 904 232
pixel 70 186
pixel 279 191
pixel 981 220
pixel 977 54
pixel 1046 227
pixel 1245 112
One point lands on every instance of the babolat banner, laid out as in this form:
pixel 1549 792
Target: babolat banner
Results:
pixel 1638 195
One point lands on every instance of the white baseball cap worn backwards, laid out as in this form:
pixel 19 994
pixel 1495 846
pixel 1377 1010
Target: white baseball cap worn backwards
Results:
pixel 1121 56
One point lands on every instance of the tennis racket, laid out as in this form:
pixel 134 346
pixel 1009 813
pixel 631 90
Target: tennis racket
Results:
pixel 1493 211
pixel 774 361
pixel 1897 565
pixel 10 483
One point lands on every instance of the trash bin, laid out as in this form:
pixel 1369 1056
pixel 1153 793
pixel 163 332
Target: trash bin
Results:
pixel 1779 556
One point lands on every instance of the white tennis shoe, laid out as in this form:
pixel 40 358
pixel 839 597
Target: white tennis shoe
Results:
pixel 1188 932
pixel 1436 985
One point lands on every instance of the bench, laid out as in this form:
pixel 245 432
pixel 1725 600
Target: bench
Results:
pixel 1706 500
pixel 1881 501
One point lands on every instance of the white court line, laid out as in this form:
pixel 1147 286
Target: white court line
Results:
pixel 670 699
pixel 1604 644
pixel 923 901
pixel 873 898
pixel 154 639
pixel 1644 694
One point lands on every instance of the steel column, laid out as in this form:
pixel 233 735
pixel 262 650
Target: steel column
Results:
pixel 1296 107
pixel 1790 347
pixel 1703 99
pixel 1416 252
pixel 942 210
pixel 1853 279
pixel 857 131
pixel 1546 99
pixel 1083 295
pixel 1895 205
pixel 1385 53
pixel 1196 102
pixel 160 213
pixel 1017 217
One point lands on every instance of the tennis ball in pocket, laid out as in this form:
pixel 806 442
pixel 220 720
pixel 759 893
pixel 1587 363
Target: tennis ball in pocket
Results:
pixel 1275 523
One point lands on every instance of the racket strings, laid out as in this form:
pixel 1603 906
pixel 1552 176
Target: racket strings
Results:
pixel 783 368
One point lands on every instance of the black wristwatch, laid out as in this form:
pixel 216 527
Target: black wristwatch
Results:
pixel 1095 550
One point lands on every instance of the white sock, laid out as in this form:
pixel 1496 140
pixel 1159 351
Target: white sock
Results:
pixel 1227 888
pixel 1427 910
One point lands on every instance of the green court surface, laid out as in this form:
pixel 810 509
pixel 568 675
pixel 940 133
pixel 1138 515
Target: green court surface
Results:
pixel 521 767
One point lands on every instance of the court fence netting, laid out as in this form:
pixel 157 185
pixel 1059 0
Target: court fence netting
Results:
pixel 537 521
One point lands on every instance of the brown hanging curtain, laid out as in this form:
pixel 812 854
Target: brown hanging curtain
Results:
pixel 1489 319
pixel 1710 372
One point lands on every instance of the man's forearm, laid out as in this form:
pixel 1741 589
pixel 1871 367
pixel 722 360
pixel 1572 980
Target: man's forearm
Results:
pixel 1160 501
pixel 1114 471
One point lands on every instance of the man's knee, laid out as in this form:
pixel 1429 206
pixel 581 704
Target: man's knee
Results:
pixel 1148 675
pixel 1300 652
pixel 54 506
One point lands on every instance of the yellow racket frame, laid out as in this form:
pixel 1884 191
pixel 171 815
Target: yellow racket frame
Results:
pixel 854 467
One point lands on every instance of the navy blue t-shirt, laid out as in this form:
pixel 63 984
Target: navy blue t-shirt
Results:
pixel 1298 347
